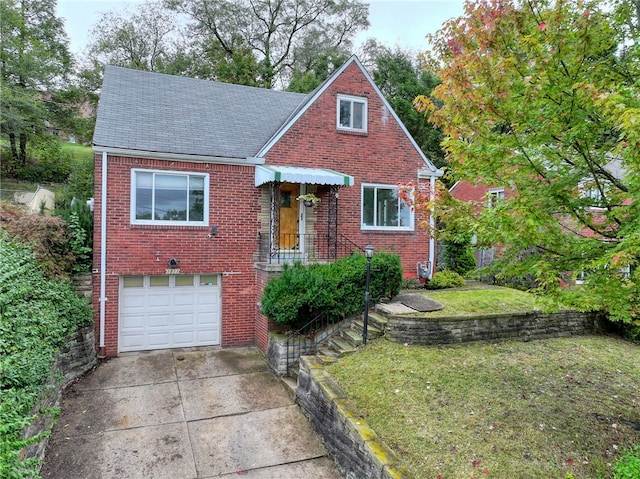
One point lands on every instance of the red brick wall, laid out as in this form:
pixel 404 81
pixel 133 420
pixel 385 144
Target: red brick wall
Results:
pixel 136 249
pixel 383 155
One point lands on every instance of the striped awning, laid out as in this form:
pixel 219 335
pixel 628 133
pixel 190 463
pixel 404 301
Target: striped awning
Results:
pixel 295 174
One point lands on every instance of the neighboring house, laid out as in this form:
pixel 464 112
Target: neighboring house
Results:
pixel 196 201
pixel 482 196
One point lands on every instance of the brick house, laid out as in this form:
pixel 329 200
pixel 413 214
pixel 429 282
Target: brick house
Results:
pixel 197 199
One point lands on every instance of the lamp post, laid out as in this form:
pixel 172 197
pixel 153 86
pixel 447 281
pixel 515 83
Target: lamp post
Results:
pixel 368 252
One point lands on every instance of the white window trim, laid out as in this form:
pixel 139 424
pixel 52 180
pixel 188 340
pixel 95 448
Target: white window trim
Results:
pixel 364 227
pixel 494 193
pixel 134 221
pixel 365 115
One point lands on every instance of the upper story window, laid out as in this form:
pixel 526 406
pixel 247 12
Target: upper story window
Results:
pixel 352 113
pixel 169 198
pixel 383 210
pixel 495 197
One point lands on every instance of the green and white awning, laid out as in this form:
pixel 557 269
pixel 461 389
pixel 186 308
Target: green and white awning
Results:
pixel 294 174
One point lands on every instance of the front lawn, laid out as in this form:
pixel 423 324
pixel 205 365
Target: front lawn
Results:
pixel 558 408
pixel 482 300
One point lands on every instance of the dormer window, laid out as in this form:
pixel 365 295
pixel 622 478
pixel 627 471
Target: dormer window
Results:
pixel 352 113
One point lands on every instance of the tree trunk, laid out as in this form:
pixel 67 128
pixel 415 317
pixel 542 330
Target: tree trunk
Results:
pixel 23 149
pixel 14 149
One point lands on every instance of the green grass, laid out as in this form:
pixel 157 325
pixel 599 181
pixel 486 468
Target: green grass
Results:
pixel 482 301
pixel 558 408
pixel 78 151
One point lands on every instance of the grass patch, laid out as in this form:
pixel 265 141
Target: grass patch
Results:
pixel 557 408
pixel 482 301
pixel 78 152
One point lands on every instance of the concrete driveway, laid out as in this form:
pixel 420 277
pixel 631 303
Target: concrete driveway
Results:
pixel 184 414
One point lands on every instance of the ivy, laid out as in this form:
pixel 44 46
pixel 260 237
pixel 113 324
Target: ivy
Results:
pixel 36 314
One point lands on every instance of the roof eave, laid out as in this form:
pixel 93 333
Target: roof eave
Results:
pixel 162 155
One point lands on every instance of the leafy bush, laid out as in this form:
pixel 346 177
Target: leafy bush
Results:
pixel 47 161
pixel 628 465
pixel 80 220
pixel 458 257
pixel 446 279
pixel 336 289
pixel 48 235
pixel 36 315
pixel 79 185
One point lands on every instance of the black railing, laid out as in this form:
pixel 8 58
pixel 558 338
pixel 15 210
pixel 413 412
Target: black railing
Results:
pixel 307 248
pixel 305 340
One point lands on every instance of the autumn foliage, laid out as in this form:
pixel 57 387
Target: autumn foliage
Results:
pixel 542 97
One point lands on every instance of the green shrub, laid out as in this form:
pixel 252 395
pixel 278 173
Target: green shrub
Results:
pixel 446 279
pixel 36 314
pixel 336 289
pixel 628 465
pixel 458 256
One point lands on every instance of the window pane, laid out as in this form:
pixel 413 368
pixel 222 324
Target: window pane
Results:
pixel 186 280
pixel 405 214
pixel 196 198
pixel 132 281
pixel 144 185
pixel 171 198
pixel 345 113
pixel 158 281
pixel 358 114
pixel 387 206
pixel 208 279
pixel 367 206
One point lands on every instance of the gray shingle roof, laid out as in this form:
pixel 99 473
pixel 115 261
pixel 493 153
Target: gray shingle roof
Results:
pixel 153 112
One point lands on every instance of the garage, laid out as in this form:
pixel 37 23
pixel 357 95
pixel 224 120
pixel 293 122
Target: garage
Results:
pixel 169 311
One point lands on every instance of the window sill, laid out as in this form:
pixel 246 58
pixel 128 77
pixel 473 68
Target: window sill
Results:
pixel 352 132
pixel 168 227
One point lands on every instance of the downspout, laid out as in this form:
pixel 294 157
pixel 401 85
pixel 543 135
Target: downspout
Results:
pixel 432 224
pixel 103 255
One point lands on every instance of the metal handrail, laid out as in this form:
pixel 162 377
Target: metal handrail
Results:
pixel 305 340
pixel 306 248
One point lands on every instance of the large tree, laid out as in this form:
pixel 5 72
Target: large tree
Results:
pixel 34 61
pixel 281 35
pixel 145 38
pixel 543 97
pixel 401 79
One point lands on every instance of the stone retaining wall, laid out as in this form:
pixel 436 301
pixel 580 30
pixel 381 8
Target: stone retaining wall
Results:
pixel 355 447
pixel 83 284
pixel 75 359
pixel 490 327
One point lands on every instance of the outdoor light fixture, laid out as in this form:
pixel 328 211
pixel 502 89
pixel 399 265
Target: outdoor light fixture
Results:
pixel 368 252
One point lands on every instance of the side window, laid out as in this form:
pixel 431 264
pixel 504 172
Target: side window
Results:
pixel 163 197
pixel 495 197
pixel 383 210
pixel 352 113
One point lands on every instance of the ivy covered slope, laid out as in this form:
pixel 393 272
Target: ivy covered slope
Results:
pixel 36 313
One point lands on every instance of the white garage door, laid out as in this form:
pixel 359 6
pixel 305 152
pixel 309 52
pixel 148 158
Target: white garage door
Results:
pixel 159 312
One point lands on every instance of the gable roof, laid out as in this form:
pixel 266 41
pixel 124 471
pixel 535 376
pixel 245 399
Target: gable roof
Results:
pixel 431 169
pixel 157 113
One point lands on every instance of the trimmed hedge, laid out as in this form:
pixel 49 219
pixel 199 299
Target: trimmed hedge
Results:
pixel 335 289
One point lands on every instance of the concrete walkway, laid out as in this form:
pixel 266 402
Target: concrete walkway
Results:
pixel 184 414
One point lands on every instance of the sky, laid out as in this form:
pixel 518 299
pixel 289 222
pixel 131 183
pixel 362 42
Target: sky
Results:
pixel 402 23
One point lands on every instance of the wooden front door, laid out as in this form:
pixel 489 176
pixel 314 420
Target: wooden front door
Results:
pixel 289 216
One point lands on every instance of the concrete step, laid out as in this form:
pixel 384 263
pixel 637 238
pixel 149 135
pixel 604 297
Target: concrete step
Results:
pixel 372 330
pixel 352 337
pixel 294 371
pixel 341 346
pixel 290 384
pixel 326 351
pixel 378 320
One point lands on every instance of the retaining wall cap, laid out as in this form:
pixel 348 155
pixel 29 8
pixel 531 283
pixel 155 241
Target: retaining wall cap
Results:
pixel 375 448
